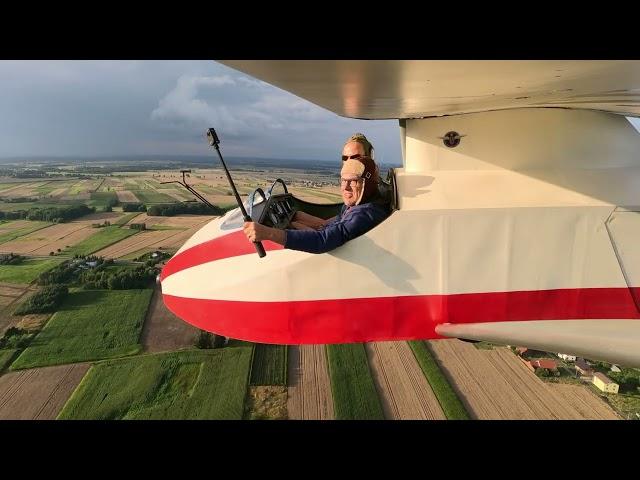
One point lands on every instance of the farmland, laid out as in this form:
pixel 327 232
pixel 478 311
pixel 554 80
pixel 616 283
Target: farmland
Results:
pixel 121 354
pixel 181 385
pixel 309 389
pixel 100 239
pixel 449 401
pixel 163 331
pixel 17 228
pixel 354 392
pixel 39 393
pixel 402 387
pixel 269 365
pixel 495 384
pixel 49 239
pixel 27 271
pixel 90 325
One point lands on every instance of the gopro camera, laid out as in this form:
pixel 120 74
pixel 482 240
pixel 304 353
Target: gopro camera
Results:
pixel 213 137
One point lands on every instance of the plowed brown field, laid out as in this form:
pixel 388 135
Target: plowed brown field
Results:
pixel 11 297
pixel 127 196
pixel 309 395
pixel 144 239
pixel 163 331
pixel 49 239
pixel 404 391
pixel 495 384
pixel 38 393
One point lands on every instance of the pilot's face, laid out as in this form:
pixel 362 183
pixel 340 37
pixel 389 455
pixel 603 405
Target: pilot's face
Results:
pixel 351 193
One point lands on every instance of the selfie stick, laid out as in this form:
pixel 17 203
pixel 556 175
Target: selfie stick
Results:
pixel 214 141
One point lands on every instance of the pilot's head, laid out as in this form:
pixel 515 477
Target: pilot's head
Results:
pixel 358 180
pixel 359 175
pixel 357 144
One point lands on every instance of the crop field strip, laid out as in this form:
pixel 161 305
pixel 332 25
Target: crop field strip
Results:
pixel 451 405
pixel 102 238
pixel 17 228
pixel 269 366
pixel 16 296
pixel 404 391
pixel 163 331
pixel 495 384
pixel 144 239
pixel 89 325
pixel 6 357
pixel 127 196
pixel 354 392
pixel 38 393
pixel 309 384
pixel 50 239
pixel 152 196
pixel 193 384
pixel 27 271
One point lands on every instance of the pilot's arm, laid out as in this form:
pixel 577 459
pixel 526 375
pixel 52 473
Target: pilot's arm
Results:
pixel 302 219
pixel 257 232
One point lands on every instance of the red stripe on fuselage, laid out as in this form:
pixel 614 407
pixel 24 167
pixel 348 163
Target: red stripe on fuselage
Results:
pixel 395 318
pixel 230 245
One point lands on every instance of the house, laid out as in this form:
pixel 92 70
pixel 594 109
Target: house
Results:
pixel 522 351
pixel 568 358
pixel 615 368
pixel 92 264
pixel 604 383
pixel 544 363
pixel 583 368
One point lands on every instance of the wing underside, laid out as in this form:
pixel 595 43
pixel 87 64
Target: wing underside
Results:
pixel 422 88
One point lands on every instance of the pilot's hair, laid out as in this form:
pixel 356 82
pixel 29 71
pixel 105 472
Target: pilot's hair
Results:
pixel 362 140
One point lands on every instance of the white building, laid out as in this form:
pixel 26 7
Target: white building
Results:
pixel 569 358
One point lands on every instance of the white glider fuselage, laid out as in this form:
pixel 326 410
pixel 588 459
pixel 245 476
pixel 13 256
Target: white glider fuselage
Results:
pixel 526 232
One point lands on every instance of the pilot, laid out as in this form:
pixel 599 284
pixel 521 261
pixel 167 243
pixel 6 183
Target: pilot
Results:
pixel 363 207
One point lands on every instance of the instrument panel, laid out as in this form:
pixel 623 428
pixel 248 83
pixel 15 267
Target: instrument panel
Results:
pixel 276 212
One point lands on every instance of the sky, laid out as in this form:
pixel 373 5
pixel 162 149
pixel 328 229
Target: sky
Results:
pixel 119 108
pixel 114 108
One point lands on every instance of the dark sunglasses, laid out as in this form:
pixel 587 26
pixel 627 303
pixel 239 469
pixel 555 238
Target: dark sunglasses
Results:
pixel 352 157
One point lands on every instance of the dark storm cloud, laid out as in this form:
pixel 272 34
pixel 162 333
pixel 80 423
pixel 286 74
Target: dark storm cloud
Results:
pixel 163 107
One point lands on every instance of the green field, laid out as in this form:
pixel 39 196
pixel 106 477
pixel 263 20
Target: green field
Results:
pixel 89 325
pixel 354 394
pixel 127 218
pixel 103 238
pixel 196 384
pixel 269 365
pixel 79 187
pixel 6 356
pixel 449 401
pixel 7 236
pixel 151 196
pixel 27 271
pixel 101 199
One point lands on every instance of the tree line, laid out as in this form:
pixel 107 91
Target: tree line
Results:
pixel 50 214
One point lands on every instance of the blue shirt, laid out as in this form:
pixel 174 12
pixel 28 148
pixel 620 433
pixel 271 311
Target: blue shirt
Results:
pixel 350 223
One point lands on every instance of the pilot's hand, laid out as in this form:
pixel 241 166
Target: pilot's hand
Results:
pixel 254 231
pixel 257 232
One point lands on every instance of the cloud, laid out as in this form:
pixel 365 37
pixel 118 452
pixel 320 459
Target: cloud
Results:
pixel 236 107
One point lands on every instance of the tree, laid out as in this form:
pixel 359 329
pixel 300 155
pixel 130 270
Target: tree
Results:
pixel 205 340
pixel 542 372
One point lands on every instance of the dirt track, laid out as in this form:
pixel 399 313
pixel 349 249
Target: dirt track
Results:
pixel 163 331
pixel 495 384
pixel 404 391
pixel 309 384
pixel 38 393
